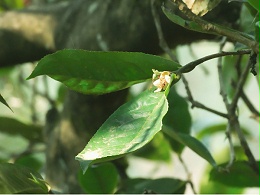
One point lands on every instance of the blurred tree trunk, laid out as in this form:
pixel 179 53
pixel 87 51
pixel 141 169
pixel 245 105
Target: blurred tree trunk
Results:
pixel 125 25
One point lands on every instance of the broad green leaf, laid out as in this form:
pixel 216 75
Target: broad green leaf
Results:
pixel 2 100
pixel 156 186
pixel 16 179
pixel 97 72
pixel 240 174
pixel 158 149
pixel 177 117
pixel 99 179
pixel 129 128
pixel 192 143
pixel 14 127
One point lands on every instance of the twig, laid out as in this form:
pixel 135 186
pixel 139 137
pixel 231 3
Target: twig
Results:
pixel 249 104
pixel 231 146
pixel 240 85
pixel 188 173
pixel 232 116
pixel 197 104
pixel 157 23
pixel 225 100
pixel 190 66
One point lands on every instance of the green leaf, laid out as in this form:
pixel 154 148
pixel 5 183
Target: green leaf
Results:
pixel 97 72
pixel 33 161
pixel 190 25
pixel 254 3
pixel 158 149
pixel 99 179
pixel 158 186
pixel 177 117
pixel 16 179
pixel 192 143
pixel 14 127
pixel 240 174
pixel 2 100
pixel 129 128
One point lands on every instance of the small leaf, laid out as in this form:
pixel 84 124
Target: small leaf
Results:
pixel 192 143
pixel 129 128
pixel 2 100
pixel 99 179
pixel 190 25
pixel 240 174
pixel 16 179
pixel 14 127
pixel 97 72
pixel 155 186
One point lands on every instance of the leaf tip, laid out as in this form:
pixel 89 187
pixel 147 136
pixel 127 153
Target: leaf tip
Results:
pixel 84 164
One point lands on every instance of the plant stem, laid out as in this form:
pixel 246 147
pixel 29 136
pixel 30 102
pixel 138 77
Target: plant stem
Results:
pixel 188 173
pixel 190 66
pixel 162 41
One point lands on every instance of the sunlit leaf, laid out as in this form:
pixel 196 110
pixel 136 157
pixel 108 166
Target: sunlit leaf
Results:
pixel 240 174
pixel 97 72
pixel 192 143
pixel 129 128
pixel 155 186
pixel 16 179
pixel 99 179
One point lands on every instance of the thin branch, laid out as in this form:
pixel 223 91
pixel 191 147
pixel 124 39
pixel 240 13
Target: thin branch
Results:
pixel 188 173
pixel 240 85
pixel 225 100
pixel 198 104
pixel 162 41
pixel 190 66
pixel 231 146
pixel 249 104
pixel 232 116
